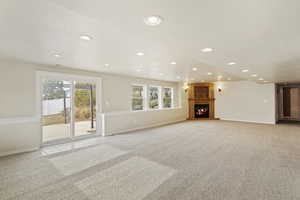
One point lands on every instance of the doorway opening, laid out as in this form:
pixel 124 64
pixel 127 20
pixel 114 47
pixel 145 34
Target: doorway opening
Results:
pixel 69 107
pixel 288 103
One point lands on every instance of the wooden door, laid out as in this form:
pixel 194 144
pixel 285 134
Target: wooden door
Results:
pixel 287 102
pixel 295 105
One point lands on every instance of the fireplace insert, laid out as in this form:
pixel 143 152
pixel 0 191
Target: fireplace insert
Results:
pixel 201 110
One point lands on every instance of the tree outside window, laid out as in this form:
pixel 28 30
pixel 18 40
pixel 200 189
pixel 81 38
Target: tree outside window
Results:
pixel 137 98
pixel 167 97
pixel 153 97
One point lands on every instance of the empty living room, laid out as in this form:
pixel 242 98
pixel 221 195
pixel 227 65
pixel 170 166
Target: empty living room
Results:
pixel 149 100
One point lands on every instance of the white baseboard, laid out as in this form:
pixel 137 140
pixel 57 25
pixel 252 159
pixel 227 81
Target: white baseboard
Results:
pixel 19 151
pixel 144 127
pixel 247 121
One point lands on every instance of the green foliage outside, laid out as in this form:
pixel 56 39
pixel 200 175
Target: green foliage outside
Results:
pixel 83 101
pixel 53 89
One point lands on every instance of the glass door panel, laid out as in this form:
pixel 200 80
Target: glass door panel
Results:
pixel 56 109
pixel 84 108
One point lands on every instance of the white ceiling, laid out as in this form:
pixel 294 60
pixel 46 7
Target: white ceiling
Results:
pixel 260 35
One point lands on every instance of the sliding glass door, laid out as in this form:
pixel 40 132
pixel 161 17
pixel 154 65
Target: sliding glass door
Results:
pixel 56 110
pixel 85 108
pixel 68 109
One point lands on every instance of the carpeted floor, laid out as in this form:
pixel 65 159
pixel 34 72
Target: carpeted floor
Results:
pixel 199 160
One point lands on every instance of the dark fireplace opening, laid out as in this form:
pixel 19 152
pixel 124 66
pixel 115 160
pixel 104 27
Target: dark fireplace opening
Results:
pixel 201 110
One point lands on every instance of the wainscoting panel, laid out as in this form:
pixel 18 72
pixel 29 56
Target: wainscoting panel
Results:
pixel 19 135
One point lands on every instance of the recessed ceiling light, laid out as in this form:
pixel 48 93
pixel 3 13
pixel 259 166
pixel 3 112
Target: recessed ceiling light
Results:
pixel 194 69
pixel 209 73
pixel 254 75
pixel 231 63
pixel 85 37
pixel 161 74
pixel 260 79
pixel 173 63
pixel 140 54
pixel 205 50
pixel 245 70
pixel 56 55
pixel 106 65
pixel 266 81
pixel 153 20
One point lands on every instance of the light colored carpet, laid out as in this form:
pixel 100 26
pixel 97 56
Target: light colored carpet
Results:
pixel 81 160
pixel 132 179
pixel 207 160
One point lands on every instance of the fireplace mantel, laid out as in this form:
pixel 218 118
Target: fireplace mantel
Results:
pixel 201 94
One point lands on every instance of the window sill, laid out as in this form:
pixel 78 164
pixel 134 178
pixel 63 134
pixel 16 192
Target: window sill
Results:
pixel 153 110
pixel 141 111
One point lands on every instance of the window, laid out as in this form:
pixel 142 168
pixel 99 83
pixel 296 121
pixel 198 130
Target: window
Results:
pixel 154 97
pixel 138 97
pixel 151 97
pixel 167 97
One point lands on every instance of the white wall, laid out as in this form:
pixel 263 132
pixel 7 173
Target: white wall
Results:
pixel 246 101
pixel 17 90
pixel 19 123
pixel 130 121
pixel 19 135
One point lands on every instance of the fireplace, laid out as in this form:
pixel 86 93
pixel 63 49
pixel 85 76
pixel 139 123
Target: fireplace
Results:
pixel 201 101
pixel 201 110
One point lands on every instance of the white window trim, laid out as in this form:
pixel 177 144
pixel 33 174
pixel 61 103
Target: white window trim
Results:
pixel 145 95
pixel 146 107
pixel 159 97
pixel 42 75
pixel 172 97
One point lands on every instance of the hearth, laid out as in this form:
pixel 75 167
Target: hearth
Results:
pixel 201 110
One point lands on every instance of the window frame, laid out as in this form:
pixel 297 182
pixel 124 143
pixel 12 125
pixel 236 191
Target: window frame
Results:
pixel 159 97
pixel 43 75
pixel 144 97
pixel 172 97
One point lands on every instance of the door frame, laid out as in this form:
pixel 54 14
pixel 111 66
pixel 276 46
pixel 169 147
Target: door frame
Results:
pixel 41 75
